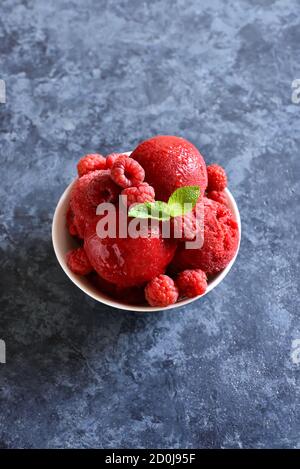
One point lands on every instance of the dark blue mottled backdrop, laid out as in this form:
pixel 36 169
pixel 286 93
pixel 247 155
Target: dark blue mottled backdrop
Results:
pixel 91 75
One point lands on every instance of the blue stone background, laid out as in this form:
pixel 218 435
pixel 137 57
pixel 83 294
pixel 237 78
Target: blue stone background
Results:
pixel 86 76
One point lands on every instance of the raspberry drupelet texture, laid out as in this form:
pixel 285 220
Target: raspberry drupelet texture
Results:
pixel 139 195
pixel 78 262
pixel 217 179
pixel 90 163
pixel 127 172
pixel 161 291
pixel 111 159
pixel 218 197
pixel 191 283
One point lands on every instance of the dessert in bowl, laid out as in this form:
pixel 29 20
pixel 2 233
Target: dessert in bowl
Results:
pixel 154 268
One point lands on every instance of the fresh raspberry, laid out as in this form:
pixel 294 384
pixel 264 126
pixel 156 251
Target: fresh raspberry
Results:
pixel 111 158
pixel 70 222
pixel 191 283
pixel 218 197
pixel 102 189
pixel 127 172
pixel 140 194
pixel 90 163
pixel 161 291
pixel 78 262
pixel 217 179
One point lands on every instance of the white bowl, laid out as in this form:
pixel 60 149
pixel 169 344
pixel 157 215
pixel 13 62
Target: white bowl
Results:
pixel 64 242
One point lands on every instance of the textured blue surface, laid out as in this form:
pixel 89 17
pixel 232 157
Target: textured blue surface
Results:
pixel 93 75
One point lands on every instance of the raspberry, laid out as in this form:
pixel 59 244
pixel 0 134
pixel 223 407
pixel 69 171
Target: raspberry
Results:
pixel 90 163
pixel 191 283
pixel 70 222
pixel 127 172
pixel 102 189
pixel 161 291
pixel 78 262
pixel 217 179
pixel 140 194
pixel 111 158
pixel 218 197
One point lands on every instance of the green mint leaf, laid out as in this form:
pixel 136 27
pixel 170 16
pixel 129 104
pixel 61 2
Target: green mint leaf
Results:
pixel 139 211
pixel 156 210
pixel 159 210
pixel 183 200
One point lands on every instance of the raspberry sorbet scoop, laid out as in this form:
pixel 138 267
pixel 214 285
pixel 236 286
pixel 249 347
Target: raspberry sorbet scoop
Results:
pixel 221 237
pixel 88 192
pixel 128 262
pixel 169 163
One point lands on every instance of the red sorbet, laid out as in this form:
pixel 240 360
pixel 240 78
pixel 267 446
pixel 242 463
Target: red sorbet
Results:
pixel 129 295
pixel 221 237
pixel 128 262
pixel 88 192
pixel 170 162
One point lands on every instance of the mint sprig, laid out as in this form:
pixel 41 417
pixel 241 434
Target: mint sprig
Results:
pixel 182 201
pixel 158 210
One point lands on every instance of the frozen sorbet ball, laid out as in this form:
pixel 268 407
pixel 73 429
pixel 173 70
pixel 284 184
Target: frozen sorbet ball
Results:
pixel 221 237
pixel 88 192
pixel 128 262
pixel 170 162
